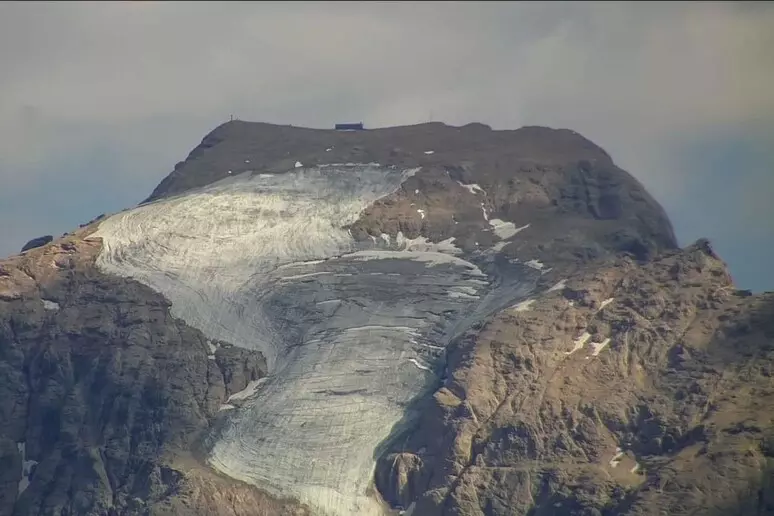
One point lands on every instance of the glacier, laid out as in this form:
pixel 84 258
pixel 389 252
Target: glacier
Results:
pixel 352 332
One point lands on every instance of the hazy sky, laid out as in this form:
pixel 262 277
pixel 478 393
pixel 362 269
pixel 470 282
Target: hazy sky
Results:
pixel 98 101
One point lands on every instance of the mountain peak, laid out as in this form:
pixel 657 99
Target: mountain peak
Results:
pixel 436 319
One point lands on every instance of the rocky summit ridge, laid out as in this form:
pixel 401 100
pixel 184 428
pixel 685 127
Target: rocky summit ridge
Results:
pixel 423 320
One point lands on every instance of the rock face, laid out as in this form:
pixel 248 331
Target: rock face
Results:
pixel 432 319
pixel 630 390
pixel 37 242
pixel 103 393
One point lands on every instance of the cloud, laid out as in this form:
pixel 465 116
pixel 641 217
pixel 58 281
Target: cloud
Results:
pixel 140 83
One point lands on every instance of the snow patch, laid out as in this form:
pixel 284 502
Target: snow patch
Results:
pixel 523 306
pixel 430 258
pixel 505 229
pixel 559 286
pixel 606 302
pixel 579 343
pixel 421 213
pixel 419 364
pixel 50 305
pixel 328 302
pixel 472 188
pixel 483 209
pixel 635 468
pixel 421 244
pixel 428 152
pixel 461 295
pixel 619 453
pixel 307 275
pixel 535 264
pixel 599 346
pixel 299 164
pixel 250 390
pixel 226 406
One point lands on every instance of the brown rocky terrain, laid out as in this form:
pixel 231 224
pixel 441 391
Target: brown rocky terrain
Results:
pixel 109 394
pixel 637 380
pixel 672 416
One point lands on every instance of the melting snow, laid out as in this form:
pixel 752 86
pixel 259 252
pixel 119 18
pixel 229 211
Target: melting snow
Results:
pixel 616 458
pixel 307 275
pixel 429 152
pixel 559 286
pixel 419 364
pixel 421 244
pixel 483 209
pixel 329 301
pixel 535 264
pixel 250 390
pixel 606 302
pixel 454 294
pixel 421 213
pixel 599 346
pixel 328 149
pixel 504 229
pixel 50 305
pixel 226 406
pixel 299 164
pixel 430 258
pixel 437 348
pixel 579 343
pixel 523 306
pixel 472 188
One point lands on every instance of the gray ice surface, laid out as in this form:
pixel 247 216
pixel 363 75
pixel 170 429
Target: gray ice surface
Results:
pixel 352 332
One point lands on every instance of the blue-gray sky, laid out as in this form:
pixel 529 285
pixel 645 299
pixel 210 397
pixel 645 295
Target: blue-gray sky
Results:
pixel 100 100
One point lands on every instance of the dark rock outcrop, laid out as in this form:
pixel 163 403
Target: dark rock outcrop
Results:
pixel 37 242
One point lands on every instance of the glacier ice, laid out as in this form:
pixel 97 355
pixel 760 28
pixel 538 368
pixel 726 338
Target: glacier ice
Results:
pixel 352 332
